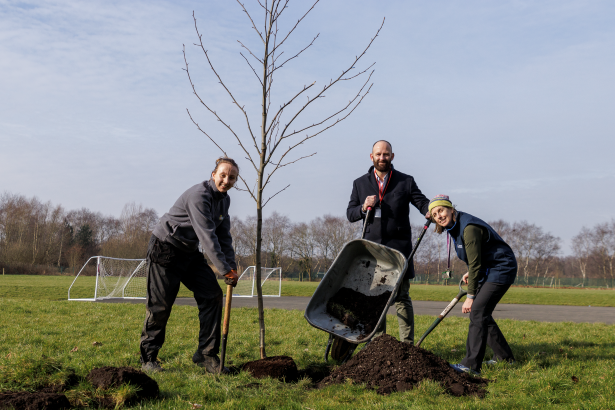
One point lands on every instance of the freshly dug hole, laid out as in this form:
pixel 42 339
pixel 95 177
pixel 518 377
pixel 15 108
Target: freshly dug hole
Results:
pixel 357 310
pixel 276 367
pixel 388 365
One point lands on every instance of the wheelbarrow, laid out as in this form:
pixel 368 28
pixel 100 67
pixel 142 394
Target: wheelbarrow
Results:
pixel 366 267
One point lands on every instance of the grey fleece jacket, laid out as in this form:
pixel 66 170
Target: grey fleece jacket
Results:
pixel 201 215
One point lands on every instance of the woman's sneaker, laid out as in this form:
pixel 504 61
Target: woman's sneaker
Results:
pixel 459 368
pixel 496 361
pixel 152 367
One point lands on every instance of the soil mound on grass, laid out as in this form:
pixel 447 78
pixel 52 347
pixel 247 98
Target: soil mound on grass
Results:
pixel 388 365
pixel 357 310
pixel 34 401
pixel 109 377
pixel 276 367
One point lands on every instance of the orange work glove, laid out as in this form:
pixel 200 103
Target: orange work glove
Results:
pixel 231 278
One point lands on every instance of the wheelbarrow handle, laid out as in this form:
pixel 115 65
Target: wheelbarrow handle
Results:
pixel 441 316
pixel 369 210
pixel 419 239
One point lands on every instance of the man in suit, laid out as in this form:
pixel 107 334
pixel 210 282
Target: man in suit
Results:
pixel 389 193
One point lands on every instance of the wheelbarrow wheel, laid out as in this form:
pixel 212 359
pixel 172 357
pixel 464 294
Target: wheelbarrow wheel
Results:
pixel 341 350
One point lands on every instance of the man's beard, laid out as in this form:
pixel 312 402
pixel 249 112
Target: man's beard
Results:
pixel 382 166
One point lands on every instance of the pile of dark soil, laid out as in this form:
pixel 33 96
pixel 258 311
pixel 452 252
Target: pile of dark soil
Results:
pixel 357 310
pixel 276 367
pixel 34 401
pixel 50 397
pixel 388 365
pixel 109 377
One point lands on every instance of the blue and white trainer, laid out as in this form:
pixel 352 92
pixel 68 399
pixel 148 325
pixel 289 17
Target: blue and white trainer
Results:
pixel 463 369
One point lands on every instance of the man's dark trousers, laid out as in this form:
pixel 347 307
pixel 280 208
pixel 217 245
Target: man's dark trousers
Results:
pixel 483 330
pixel 163 284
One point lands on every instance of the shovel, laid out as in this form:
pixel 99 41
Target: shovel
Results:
pixel 445 312
pixel 227 319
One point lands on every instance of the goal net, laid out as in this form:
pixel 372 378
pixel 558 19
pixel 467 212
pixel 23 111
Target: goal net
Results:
pixel 110 278
pixel 271 282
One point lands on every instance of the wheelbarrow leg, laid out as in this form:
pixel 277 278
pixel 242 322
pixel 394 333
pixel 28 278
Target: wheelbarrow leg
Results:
pixel 328 348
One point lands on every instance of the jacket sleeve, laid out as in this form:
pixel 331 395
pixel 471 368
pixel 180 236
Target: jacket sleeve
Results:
pixel 472 238
pixel 226 241
pixel 198 208
pixel 417 198
pixel 353 212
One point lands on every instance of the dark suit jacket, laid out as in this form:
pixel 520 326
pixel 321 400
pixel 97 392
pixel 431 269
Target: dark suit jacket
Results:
pixel 393 228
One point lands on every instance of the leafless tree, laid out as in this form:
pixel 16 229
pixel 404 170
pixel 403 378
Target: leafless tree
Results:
pixel 531 245
pixel 331 234
pixel 582 246
pixel 304 248
pixel 276 233
pixel 604 249
pixel 271 149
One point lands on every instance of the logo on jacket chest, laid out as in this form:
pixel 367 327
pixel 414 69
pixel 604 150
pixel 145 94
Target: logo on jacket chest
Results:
pixel 221 217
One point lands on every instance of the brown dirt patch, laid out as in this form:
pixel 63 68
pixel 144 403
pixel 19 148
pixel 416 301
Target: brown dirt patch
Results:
pixel 34 401
pixel 388 365
pixel 108 377
pixel 357 310
pixel 276 367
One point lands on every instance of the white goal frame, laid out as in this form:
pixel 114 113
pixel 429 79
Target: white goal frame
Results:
pixel 268 273
pixel 99 279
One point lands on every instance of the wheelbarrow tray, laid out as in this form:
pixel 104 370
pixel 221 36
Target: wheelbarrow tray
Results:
pixel 366 267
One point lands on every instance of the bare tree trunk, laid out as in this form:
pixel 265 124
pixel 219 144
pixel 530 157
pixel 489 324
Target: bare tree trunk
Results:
pixel 259 192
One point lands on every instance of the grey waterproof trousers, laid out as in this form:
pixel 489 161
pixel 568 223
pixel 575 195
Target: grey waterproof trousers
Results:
pixel 164 275
pixel 405 314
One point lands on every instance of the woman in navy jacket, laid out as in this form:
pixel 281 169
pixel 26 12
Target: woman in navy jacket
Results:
pixel 492 268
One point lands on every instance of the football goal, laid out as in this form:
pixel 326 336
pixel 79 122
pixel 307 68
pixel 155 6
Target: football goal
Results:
pixel 271 282
pixel 114 278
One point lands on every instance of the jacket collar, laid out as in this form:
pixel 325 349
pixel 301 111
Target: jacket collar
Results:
pixel 454 230
pixel 211 185
pixel 372 178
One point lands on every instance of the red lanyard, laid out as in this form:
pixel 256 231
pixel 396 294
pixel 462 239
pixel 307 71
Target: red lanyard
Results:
pixel 380 190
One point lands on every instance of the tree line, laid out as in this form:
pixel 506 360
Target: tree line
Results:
pixel 41 238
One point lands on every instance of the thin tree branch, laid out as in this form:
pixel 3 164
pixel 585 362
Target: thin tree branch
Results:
pixel 271 197
pixel 323 130
pixel 252 21
pixel 296 55
pixel 334 114
pixel 296 24
pixel 214 113
pixel 223 85
pixel 331 84
pixel 286 104
pixel 250 51
pixel 253 70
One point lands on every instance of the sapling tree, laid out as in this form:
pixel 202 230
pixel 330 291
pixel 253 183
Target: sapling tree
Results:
pixel 272 147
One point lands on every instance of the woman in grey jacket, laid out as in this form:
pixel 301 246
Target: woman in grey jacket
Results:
pixel 200 215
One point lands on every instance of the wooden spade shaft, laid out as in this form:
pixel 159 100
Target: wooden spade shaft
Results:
pixel 225 325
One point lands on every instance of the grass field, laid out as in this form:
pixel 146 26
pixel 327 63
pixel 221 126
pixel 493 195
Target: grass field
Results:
pixel 37 336
pixel 56 288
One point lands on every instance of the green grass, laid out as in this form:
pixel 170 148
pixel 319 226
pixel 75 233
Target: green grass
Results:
pixel 37 336
pixel 56 288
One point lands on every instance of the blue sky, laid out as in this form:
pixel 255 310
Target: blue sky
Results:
pixel 506 106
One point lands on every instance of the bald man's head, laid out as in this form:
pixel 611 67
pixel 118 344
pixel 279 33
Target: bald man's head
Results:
pixel 382 141
pixel 382 155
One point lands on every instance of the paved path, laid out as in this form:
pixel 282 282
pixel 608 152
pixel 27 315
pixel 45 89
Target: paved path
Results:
pixel 541 313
